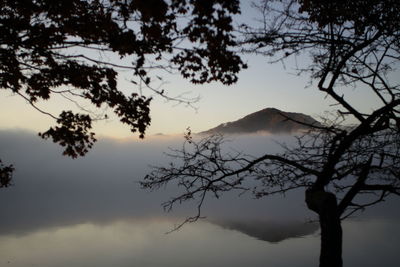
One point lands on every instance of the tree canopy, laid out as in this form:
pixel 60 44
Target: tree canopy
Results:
pixel 55 47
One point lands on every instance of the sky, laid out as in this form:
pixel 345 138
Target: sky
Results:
pixel 260 86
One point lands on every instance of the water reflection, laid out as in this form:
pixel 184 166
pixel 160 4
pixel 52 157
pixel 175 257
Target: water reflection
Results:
pixel 143 242
pixel 270 231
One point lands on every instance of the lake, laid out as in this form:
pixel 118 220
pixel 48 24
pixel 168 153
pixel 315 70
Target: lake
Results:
pixel 143 242
pixel 91 212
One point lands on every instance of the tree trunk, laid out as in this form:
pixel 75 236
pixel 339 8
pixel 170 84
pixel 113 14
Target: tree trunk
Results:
pixel 325 205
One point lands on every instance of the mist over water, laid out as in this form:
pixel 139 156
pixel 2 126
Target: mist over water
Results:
pixel 50 189
pixel 91 212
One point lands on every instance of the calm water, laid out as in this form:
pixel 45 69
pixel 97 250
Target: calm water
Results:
pixel 143 242
pixel 91 213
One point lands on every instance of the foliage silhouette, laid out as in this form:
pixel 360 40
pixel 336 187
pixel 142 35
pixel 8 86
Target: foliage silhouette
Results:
pixel 5 174
pixel 351 44
pixel 56 47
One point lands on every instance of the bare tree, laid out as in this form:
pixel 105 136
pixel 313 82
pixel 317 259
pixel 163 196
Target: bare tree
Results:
pixel 351 44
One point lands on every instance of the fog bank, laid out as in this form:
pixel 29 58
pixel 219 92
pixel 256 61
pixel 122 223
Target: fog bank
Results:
pixel 51 190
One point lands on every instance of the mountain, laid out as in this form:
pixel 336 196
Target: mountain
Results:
pixel 271 120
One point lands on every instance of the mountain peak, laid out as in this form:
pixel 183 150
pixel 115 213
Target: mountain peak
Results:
pixel 270 120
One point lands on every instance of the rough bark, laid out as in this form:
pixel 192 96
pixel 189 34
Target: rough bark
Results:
pixel 325 205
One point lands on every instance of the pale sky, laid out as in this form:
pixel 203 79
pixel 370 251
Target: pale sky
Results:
pixel 262 85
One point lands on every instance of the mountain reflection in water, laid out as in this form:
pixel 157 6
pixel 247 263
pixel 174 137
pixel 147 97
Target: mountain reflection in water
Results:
pixel 143 242
pixel 270 231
